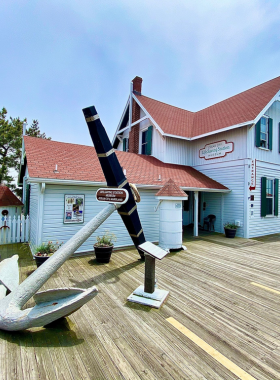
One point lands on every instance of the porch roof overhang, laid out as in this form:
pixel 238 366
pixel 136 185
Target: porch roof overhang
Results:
pixel 55 181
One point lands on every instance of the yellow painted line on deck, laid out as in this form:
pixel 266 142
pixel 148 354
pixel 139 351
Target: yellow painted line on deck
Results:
pixel 211 351
pixel 265 287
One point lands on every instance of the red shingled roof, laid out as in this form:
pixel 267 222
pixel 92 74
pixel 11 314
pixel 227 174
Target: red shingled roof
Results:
pixel 8 198
pixel 238 109
pixel 170 189
pixel 80 163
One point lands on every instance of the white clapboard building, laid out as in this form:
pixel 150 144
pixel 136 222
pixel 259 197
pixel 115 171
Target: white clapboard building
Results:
pixel 225 157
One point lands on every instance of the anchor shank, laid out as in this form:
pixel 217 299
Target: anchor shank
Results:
pixel 37 279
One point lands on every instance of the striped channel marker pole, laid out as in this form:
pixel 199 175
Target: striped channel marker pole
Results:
pixel 114 176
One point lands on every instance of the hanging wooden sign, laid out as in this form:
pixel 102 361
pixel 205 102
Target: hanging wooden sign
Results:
pixel 119 196
pixel 216 149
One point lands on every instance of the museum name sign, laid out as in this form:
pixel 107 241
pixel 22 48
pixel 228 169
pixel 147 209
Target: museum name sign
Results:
pixel 216 150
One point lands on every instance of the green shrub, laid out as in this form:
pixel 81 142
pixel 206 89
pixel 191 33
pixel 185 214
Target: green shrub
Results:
pixel 105 240
pixel 47 249
pixel 231 226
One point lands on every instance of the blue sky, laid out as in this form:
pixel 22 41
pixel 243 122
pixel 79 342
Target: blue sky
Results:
pixel 59 56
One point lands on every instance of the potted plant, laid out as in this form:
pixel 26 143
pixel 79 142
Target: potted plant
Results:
pixel 104 246
pixel 230 230
pixel 44 251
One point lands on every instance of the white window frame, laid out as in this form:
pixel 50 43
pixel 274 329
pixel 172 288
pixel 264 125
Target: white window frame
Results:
pixel 271 196
pixel 126 144
pixel 266 140
pixel 143 130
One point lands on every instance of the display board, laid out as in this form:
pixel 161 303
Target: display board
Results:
pixel 74 208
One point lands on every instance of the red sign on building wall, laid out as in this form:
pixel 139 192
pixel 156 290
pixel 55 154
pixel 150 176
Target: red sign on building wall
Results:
pixel 252 175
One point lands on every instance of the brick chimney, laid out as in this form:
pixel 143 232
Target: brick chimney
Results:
pixel 134 133
pixel 137 85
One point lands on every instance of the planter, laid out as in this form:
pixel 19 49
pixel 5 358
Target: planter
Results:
pixel 103 254
pixel 230 232
pixel 40 260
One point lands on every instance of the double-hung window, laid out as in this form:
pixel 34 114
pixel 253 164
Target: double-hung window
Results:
pixel 125 144
pixel 269 196
pixel 146 146
pixel 264 133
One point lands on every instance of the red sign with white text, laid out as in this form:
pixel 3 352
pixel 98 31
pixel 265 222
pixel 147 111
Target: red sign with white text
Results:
pixel 112 195
pixel 252 175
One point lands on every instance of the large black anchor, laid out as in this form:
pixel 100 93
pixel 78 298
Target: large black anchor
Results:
pixel 114 175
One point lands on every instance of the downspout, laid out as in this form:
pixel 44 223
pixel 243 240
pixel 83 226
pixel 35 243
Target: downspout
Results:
pixel 22 146
pixel 130 106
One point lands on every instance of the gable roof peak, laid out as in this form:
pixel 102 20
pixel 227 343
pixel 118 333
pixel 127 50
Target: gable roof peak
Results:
pixel 8 198
pixel 237 111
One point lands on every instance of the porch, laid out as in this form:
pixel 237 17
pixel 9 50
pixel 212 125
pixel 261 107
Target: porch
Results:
pixel 223 291
pixel 200 205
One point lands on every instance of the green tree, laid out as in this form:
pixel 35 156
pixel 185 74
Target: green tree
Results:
pixel 34 131
pixel 11 143
pixel 10 146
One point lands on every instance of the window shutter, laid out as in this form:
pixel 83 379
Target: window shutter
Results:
pixel 124 145
pixel 276 196
pixel 263 196
pixel 270 133
pixel 258 133
pixel 279 138
pixel 27 200
pixel 149 140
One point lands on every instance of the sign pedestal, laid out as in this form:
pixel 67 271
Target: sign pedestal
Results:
pixel 148 294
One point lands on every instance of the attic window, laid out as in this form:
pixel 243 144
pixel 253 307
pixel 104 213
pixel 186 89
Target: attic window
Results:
pixel 125 145
pixel 264 133
pixel 146 147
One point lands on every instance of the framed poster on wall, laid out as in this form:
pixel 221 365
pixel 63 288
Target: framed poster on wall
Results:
pixel 74 208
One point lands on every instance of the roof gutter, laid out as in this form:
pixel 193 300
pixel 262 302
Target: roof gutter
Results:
pixel 55 181
pixel 223 130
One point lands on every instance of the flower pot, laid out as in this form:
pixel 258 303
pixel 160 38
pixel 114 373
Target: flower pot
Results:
pixel 103 254
pixel 40 260
pixel 230 232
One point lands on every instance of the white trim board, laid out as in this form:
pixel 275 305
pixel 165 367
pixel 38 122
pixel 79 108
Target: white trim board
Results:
pixel 226 164
pixel 51 181
pixel 147 114
pixel 121 119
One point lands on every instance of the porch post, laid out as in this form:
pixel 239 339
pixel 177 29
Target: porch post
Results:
pixel 195 222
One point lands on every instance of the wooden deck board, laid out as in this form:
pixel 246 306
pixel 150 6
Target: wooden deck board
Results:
pixel 108 338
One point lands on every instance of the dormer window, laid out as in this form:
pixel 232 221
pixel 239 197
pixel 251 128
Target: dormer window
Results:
pixel 264 133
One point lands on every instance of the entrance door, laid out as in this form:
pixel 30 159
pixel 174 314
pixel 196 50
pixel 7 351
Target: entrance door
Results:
pixel 186 210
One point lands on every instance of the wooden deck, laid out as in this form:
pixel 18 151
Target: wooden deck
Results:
pixel 215 294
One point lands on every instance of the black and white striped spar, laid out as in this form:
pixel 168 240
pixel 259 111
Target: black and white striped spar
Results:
pixel 114 175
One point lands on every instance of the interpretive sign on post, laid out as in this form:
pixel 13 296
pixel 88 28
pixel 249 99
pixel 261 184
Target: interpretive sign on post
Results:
pixel 119 196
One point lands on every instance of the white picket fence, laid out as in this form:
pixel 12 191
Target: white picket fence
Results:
pixel 14 230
